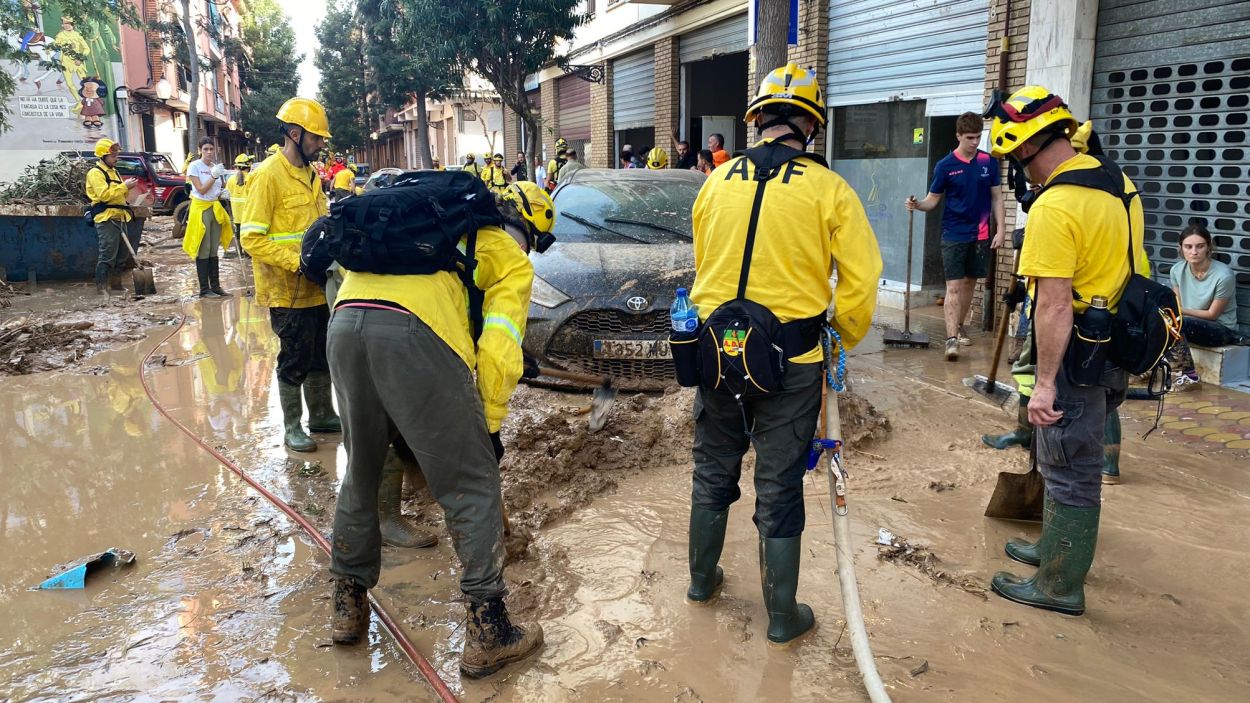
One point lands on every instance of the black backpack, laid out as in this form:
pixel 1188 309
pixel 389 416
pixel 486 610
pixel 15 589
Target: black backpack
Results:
pixel 742 347
pixel 1147 322
pixel 412 226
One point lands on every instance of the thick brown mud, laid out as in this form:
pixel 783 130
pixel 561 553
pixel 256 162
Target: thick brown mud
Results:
pixel 229 601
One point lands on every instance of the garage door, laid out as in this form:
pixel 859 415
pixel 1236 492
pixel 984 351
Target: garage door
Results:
pixel 1170 99
pixel 890 50
pixel 574 97
pixel 633 91
pixel 725 37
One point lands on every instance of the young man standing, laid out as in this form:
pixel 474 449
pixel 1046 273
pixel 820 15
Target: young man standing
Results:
pixel 716 145
pixel 969 179
pixel 519 170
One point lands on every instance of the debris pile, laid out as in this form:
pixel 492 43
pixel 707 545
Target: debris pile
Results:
pixel 57 181
pixel 25 346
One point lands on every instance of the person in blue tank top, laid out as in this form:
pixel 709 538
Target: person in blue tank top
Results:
pixel 967 179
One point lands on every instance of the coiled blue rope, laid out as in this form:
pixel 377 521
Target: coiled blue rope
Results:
pixel 835 377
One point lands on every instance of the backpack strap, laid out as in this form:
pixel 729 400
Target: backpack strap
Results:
pixel 768 159
pixel 1109 179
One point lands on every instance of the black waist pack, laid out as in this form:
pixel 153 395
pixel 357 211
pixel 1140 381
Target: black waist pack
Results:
pixel 742 347
pixel 412 226
pixel 1147 322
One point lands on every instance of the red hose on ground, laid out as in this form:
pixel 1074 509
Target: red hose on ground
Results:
pixel 431 676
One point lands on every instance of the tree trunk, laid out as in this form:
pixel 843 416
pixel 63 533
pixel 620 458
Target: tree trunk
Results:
pixel 423 133
pixel 773 21
pixel 193 66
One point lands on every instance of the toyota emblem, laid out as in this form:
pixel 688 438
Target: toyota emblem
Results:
pixel 636 303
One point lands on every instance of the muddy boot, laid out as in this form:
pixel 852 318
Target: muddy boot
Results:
pixel 1066 556
pixel 201 275
pixel 788 620
pixel 492 641
pixel 1111 448
pixel 1022 436
pixel 101 279
pixel 321 415
pixel 707 538
pixel 214 278
pixel 1026 552
pixel 115 282
pixel 292 411
pixel 397 531
pixel 351 612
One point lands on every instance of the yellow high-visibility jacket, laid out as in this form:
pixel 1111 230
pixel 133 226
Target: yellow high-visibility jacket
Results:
pixel 344 179
pixel 810 220
pixel 282 201
pixel 238 194
pixel 505 274
pixel 105 186
pixel 194 235
pixel 495 177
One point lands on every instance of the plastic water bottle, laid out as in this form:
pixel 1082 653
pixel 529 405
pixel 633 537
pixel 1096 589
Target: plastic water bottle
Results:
pixel 684 314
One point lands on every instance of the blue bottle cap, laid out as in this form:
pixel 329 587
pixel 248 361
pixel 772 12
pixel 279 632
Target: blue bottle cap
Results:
pixel 681 292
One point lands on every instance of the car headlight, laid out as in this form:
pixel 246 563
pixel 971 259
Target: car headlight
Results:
pixel 547 295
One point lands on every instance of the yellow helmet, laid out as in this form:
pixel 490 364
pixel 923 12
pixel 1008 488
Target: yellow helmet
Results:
pixel 533 203
pixel 1025 114
pixel 243 160
pixel 306 113
pixel 273 149
pixel 104 146
pixel 657 159
pixel 789 85
pixel 561 143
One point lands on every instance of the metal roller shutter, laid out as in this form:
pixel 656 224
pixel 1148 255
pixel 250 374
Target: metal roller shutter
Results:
pixel 888 50
pixel 574 106
pixel 725 37
pixel 1170 97
pixel 633 91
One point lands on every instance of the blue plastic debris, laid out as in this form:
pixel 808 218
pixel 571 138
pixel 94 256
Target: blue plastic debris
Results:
pixel 74 574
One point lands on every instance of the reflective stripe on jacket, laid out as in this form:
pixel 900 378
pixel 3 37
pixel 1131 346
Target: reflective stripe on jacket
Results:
pixel 282 202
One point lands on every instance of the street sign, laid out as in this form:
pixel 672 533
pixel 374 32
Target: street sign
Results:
pixel 792 26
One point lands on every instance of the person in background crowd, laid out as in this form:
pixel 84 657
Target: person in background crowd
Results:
pixel 108 194
pixel 438 164
pixel 540 171
pixel 686 159
pixel 571 165
pixel 519 170
pixel 703 163
pixel 471 165
pixel 208 225
pixel 716 145
pixel 1207 291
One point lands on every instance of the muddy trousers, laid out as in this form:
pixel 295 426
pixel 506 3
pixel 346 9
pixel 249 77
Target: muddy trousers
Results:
pixel 781 428
pixel 391 370
pixel 111 252
pixel 301 335
pixel 1070 453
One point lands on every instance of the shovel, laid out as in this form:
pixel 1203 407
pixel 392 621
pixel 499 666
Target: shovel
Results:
pixel 602 400
pixel 145 284
pixel 989 386
pixel 907 338
pixel 1019 496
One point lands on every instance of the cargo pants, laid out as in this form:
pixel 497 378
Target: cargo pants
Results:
pixel 111 251
pixel 1070 452
pixel 391 372
pixel 781 427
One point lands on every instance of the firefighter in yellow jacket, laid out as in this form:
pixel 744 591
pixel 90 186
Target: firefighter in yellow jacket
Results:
pixel 237 187
pixel 404 359
pixel 284 198
pixel 808 220
pixel 495 175
pixel 108 192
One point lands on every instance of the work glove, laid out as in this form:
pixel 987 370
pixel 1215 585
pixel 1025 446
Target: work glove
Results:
pixel 1017 294
pixel 498 445
pixel 218 171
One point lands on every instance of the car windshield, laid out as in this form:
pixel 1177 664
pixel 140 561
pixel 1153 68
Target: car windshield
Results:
pixel 161 164
pixel 130 168
pixel 655 211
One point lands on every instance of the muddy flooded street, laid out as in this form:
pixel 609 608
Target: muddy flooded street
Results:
pixel 229 600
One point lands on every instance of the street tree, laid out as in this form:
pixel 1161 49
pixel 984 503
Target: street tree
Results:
pixel 268 66
pixel 344 89
pixel 772 22
pixel 502 40
pixel 408 61
pixel 22 19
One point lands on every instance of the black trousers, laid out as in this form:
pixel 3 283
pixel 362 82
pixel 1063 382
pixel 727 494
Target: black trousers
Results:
pixel 782 426
pixel 302 336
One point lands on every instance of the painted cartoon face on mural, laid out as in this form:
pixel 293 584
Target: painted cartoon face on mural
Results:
pixel 91 91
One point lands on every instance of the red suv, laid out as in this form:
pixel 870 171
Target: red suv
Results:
pixel 156 174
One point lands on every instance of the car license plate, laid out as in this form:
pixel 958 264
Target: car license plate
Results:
pixel 632 349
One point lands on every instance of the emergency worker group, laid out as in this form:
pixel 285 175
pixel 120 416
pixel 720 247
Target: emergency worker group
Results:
pixel 397 353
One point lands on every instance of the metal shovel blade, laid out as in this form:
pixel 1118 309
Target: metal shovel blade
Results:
pixel 998 391
pixel 145 284
pixel 1017 496
pixel 601 406
pixel 903 338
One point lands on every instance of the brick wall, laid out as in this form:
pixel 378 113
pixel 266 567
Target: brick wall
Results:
pixel 667 93
pixel 511 136
pixel 1018 44
pixel 551 118
pixel 811 53
pixel 602 140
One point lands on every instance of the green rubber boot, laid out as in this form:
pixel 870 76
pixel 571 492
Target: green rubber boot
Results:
pixel 788 620
pixel 292 412
pixel 1111 448
pixel 397 531
pixel 1022 436
pixel 1059 583
pixel 1026 552
pixel 321 415
pixel 707 539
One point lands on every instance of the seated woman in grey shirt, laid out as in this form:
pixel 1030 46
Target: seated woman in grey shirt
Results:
pixel 1207 290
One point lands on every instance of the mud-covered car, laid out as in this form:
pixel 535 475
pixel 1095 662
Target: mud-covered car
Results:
pixel 602 291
